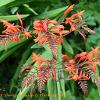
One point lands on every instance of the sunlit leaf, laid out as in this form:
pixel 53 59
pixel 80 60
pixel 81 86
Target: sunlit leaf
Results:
pixel 13 17
pixel 4 2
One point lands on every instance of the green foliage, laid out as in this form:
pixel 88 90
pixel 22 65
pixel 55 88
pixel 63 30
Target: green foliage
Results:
pixel 92 10
pixel 4 2
pixel 13 17
pixel 51 14
pixel 93 95
pixel 39 9
pixel 93 40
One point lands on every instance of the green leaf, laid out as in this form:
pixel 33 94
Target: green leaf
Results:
pixel 97 17
pixel 1 98
pixel 19 2
pixel 55 89
pixel 30 9
pixel 8 53
pixel 23 60
pixel 11 44
pixel 93 95
pixel 60 75
pixel 36 45
pixel 52 89
pixel 69 96
pixel 28 62
pixel 67 47
pixel 11 48
pixel 59 90
pixel 94 39
pixel 51 14
pixel 89 18
pixel 22 93
pixel 47 53
pixel 13 17
pixel 4 2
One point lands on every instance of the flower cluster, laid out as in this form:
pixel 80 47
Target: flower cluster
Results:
pixel 80 69
pixel 12 32
pixel 76 22
pixel 83 64
pixel 46 29
pixel 10 28
pixel 50 32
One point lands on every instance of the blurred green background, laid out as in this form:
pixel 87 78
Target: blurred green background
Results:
pixel 18 54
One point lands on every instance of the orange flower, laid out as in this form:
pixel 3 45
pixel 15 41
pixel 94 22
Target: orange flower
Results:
pixel 37 58
pixel 41 67
pixel 75 76
pixel 42 25
pixel 93 53
pixel 21 22
pixel 59 29
pixel 26 34
pixel 80 76
pixel 41 39
pixel 93 68
pixel 69 9
pixel 65 57
pixel 11 33
pixel 57 39
pixel 78 14
pixel 75 22
pixel 71 22
pixel 70 66
pixel 85 76
pixel 47 30
pixel 10 28
pixel 82 65
pixel 44 40
pixel 80 56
